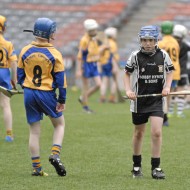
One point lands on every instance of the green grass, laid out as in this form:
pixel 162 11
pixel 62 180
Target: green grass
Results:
pixel 96 151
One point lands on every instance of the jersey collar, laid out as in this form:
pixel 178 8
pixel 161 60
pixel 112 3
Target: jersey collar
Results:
pixel 41 45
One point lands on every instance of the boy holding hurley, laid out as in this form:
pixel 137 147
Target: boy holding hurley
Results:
pixel 148 71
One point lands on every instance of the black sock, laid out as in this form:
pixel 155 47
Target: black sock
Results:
pixel 165 117
pixel 137 160
pixel 155 162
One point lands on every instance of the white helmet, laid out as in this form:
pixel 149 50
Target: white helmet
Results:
pixel 111 31
pixel 90 24
pixel 180 31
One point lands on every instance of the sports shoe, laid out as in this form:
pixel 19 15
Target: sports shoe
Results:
pixel 157 173
pixel 9 138
pixel 137 172
pixel 37 173
pixel 58 165
pixel 87 109
pixel 166 124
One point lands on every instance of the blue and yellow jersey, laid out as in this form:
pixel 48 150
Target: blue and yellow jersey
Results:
pixel 105 57
pixel 7 53
pixel 113 48
pixel 88 49
pixel 41 67
pixel 108 54
pixel 171 46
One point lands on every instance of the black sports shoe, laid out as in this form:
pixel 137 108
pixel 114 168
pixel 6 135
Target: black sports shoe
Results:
pixel 157 173
pixel 58 165
pixel 87 110
pixel 137 172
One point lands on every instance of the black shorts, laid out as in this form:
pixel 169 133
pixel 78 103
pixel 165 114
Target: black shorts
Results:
pixel 183 81
pixel 141 118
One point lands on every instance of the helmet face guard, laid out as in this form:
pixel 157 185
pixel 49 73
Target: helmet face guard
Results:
pixel 149 32
pixel 44 28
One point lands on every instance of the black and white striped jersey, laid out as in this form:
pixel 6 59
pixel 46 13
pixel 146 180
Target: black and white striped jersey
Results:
pixel 148 76
pixel 184 48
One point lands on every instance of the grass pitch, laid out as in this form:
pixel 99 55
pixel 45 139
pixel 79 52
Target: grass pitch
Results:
pixel 97 151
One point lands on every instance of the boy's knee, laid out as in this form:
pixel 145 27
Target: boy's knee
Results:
pixel 139 134
pixel 156 134
pixel 98 85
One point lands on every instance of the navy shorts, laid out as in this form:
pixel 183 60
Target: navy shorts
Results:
pixel 107 70
pixel 5 78
pixel 141 118
pixel 90 70
pixel 38 102
pixel 174 84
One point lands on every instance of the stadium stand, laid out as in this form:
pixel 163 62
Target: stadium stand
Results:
pixel 127 15
pixel 177 11
pixel 69 15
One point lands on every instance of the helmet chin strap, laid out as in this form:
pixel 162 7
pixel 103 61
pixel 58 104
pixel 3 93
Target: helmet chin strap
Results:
pixel 149 52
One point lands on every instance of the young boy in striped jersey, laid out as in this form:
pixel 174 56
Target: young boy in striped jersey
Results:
pixel 148 71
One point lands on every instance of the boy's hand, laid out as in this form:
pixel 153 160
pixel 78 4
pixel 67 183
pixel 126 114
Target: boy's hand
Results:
pixel 166 91
pixel 60 107
pixel 131 95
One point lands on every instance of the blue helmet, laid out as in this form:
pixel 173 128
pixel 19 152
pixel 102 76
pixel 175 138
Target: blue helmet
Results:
pixel 149 32
pixel 44 27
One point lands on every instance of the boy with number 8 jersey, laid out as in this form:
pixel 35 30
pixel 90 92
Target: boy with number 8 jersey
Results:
pixel 40 72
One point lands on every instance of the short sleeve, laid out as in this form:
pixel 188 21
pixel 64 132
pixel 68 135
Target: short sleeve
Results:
pixel 12 53
pixel 130 65
pixel 167 62
pixel 83 45
pixel 20 62
pixel 59 64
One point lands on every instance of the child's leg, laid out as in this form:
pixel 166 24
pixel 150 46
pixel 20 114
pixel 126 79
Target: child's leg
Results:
pixel 7 116
pixel 59 126
pixel 180 102
pixel 85 91
pixel 103 88
pixel 34 147
pixel 93 89
pixel 112 97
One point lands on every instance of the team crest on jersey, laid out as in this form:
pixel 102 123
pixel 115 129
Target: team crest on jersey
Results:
pixel 143 70
pixel 160 68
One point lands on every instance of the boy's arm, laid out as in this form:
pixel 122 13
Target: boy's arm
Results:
pixel 130 94
pixel 79 68
pixel 166 89
pixel 169 74
pixel 14 72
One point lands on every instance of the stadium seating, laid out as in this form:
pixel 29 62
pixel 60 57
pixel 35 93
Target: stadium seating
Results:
pixel 178 11
pixel 69 15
